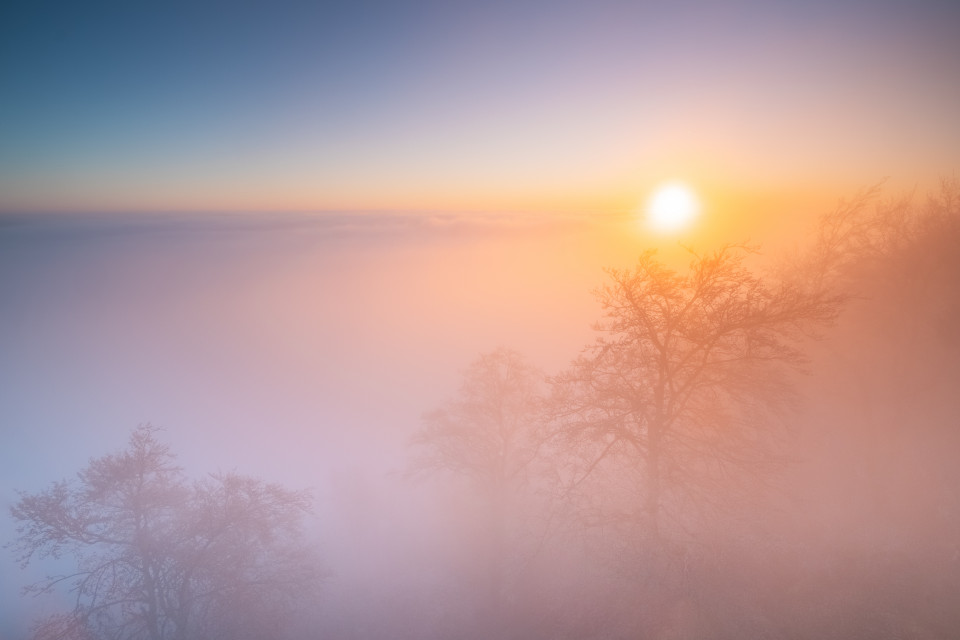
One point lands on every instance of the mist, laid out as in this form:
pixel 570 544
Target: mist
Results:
pixel 810 491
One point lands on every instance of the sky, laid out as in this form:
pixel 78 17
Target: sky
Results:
pixel 420 182
pixel 468 106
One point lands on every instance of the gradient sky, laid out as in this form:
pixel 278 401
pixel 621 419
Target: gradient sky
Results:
pixel 468 106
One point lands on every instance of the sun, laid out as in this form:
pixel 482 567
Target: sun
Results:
pixel 672 208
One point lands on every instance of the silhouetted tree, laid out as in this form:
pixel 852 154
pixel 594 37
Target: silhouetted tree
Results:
pixel 680 385
pixel 161 558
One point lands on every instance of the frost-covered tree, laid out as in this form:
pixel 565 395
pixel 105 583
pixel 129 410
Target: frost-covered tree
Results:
pixel 161 558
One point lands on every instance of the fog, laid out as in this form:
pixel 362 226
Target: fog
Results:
pixel 809 491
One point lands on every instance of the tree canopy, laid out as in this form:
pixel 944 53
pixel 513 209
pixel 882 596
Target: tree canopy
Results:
pixel 162 558
pixel 685 367
pixel 492 430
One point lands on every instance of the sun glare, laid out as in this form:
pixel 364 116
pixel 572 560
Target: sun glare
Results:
pixel 672 208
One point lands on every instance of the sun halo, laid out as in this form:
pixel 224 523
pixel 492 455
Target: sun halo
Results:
pixel 672 207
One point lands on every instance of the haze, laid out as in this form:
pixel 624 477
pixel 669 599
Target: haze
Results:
pixel 301 241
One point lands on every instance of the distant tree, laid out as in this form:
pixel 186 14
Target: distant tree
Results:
pixel 885 389
pixel 673 398
pixel 870 541
pixel 160 558
pixel 491 431
pixel 490 434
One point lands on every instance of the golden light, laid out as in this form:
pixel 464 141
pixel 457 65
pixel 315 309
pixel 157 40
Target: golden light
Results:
pixel 672 207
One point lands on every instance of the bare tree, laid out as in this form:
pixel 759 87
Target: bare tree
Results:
pixel 491 434
pixel 680 385
pixel 161 558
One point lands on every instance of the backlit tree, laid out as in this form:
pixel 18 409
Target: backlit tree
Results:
pixel 676 396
